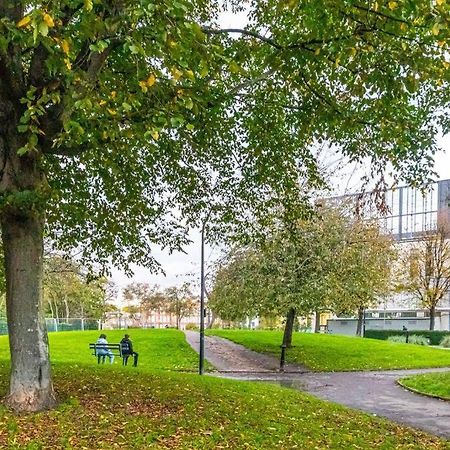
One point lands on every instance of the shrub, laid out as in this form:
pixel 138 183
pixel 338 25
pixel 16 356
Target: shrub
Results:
pixel 434 337
pixel 191 326
pixel 446 342
pixel 418 340
pixel 398 339
pixel 413 339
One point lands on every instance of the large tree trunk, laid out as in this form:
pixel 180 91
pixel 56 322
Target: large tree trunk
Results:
pixel 432 317
pixel 317 322
pixel 360 324
pixel 22 223
pixel 289 328
pixel 31 386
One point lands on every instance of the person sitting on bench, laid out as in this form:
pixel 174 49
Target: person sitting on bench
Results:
pixel 127 349
pixel 104 351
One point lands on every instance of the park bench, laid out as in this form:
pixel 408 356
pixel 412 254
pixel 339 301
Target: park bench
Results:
pixel 116 350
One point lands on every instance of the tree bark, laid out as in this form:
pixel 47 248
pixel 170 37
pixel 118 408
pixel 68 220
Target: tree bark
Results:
pixel 317 322
pixel 359 326
pixel 432 317
pixel 289 327
pixel 31 386
pixel 50 304
pixel 211 321
pixel 66 304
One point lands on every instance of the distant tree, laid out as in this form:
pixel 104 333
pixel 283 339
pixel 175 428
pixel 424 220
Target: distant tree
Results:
pixel 329 261
pixel 2 305
pixel 364 274
pixel 180 302
pixel 110 298
pixel 144 298
pixel 283 277
pixel 69 292
pixel 237 283
pixel 133 311
pixel 426 268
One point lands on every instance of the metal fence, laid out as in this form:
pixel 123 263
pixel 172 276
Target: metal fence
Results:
pixel 71 324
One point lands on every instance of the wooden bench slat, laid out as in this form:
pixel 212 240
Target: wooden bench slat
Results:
pixel 111 347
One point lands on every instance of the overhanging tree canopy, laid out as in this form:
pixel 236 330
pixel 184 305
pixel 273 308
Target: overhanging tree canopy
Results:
pixel 116 115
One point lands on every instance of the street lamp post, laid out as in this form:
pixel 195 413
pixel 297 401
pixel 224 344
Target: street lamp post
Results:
pixel 202 303
pixel 364 323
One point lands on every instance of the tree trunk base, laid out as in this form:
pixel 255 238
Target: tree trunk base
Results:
pixel 24 401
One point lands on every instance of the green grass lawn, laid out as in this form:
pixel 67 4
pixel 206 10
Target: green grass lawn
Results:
pixel 437 384
pixel 324 352
pixel 107 407
pixel 158 349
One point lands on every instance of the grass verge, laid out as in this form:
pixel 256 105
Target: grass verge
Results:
pixel 106 408
pixel 324 352
pixel 433 384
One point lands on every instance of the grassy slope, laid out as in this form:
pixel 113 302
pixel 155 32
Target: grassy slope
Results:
pixel 430 383
pixel 105 407
pixel 323 352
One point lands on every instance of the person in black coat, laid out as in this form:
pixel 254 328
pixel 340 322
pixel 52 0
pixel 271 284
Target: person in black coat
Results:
pixel 127 350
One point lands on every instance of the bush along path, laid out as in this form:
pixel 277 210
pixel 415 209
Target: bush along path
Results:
pixel 375 392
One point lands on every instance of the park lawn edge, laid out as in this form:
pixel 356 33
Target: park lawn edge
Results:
pixel 417 391
pixel 403 382
pixel 336 364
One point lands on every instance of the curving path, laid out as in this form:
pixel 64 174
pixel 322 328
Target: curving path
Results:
pixel 374 392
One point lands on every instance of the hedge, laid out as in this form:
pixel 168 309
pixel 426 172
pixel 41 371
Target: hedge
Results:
pixel 435 337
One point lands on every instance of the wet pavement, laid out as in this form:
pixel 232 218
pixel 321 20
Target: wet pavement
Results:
pixel 374 392
pixel 232 359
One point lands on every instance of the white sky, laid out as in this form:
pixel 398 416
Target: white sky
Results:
pixel 180 267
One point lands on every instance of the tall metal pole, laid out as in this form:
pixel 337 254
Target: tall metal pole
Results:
pixel 363 334
pixel 202 304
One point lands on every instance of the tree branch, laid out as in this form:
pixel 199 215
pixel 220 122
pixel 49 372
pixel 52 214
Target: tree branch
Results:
pixel 248 83
pixel 278 46
pixel 380 14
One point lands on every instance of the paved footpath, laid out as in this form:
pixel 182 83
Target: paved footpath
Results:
pixel 374 392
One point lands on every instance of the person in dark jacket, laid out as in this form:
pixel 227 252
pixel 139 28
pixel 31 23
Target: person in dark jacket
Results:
pixel 127 350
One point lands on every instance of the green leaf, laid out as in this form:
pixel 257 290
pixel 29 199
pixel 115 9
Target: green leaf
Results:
pixel 23 150
pixel 43 28
pixel 33 140
pixel 176 121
